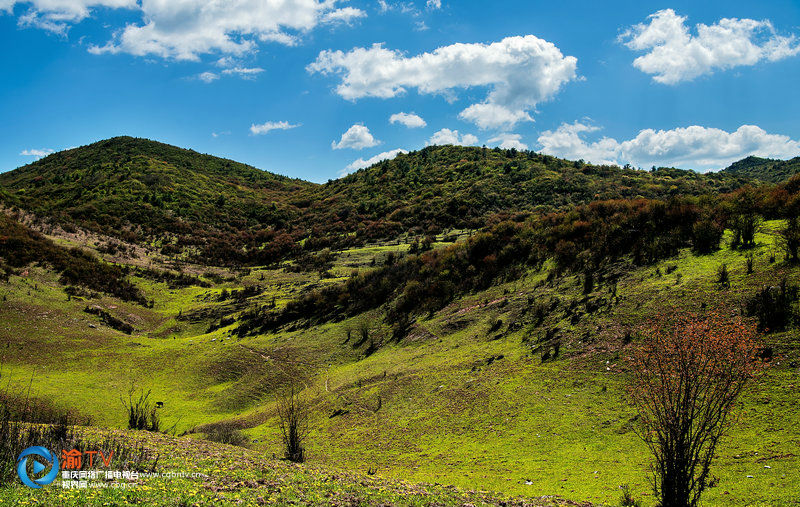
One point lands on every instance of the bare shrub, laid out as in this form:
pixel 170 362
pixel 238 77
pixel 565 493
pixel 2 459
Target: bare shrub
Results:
pixel 293 414
pixel 142 412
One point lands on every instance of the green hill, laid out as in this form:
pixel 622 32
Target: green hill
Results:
pixel 223 212
pixel 144 191
pixel 764 169
pixel 461 187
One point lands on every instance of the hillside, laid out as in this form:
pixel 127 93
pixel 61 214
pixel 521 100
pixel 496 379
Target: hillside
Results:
pixel 461 187
pixel 202 207
pixel 143 191
pixel 764 169
pixel 482 360
pixel 515 384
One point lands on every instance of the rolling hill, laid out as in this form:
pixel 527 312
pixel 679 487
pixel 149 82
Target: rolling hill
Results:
pixel 221 212
pixel 143 191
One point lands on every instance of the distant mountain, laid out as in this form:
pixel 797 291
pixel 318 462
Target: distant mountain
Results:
pixel 221 211
pixel 765 169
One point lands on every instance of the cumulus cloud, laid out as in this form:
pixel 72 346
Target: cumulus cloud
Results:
pixel 488 116
pixel 269 126
pixel 519 73
pixel 187 29
pixel 361 163
pixel 344 15
pixel 357 137
pixel 410 120
pixel 434 4
pixel 508 141
pixel 675 55
pixel 693 147
pixel 447 136
pixel 567 142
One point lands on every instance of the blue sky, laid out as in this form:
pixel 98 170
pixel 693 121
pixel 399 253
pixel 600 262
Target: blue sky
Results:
pixel 308 88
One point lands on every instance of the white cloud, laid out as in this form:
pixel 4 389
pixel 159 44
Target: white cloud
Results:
pixel 676 55
pixel 447 136
pixel 36 153
pixel 693 147
pixel 410 120
pixel 344 15
pixel 244 72
pixel 566 142
pixel 519 72
pixel 56 15
pixel 508 141
pixel 187 29
pixel 434 4
pixel 488 116
pixel 269 126
pixel 207 77
pixel 401 7
pixel 361 163
pixel 357 137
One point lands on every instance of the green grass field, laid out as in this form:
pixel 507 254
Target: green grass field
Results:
pixel 465 400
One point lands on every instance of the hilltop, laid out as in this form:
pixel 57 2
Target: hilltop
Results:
pixel 462 186
pixel 764 169
pixel 144 191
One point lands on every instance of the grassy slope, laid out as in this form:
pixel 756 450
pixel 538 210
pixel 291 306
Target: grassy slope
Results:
pixel 236 476
pixel 451 411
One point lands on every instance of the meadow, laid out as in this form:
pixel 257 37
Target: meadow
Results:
pixel 470 398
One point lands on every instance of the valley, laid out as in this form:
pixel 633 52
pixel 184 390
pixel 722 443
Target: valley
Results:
pixel 485 351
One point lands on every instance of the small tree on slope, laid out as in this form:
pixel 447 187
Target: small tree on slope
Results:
pixel 686 375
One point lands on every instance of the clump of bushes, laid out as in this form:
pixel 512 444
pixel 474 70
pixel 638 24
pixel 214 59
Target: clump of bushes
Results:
pixel 109 320
pixel 706 235
pixel 774 307
pixel 723 277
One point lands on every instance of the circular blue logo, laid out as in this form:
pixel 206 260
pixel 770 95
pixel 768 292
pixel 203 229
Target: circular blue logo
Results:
pixel 32 453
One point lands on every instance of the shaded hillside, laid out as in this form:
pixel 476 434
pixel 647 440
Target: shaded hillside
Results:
pixel 20 247
pixel 764 169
